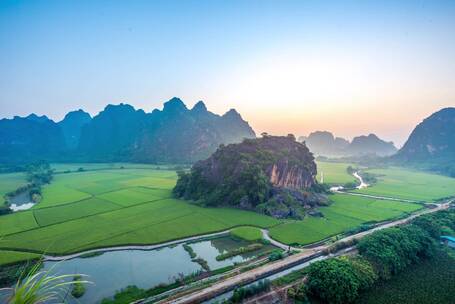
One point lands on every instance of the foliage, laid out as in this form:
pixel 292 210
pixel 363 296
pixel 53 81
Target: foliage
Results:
pixel 126 295
pixel 430 281
pixel 203 263
pixel 299 293
pixel 190 250
pixel 238 251
pixel 383 255
pixel 78 288
pixel 39 173
pixel 243 293
pixel 239 175
pixel 275 255
pixel 391 250
pixel 39 287
pixel 339 280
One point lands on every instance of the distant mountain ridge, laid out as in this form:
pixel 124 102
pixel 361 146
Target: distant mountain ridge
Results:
pixel 324 143
pixel 432 143
pixel 122 133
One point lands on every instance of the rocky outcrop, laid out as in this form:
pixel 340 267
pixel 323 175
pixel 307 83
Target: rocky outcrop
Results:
pixel 292 177
pixel 431 145
pixel 273 175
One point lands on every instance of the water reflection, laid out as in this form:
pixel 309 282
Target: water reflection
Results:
pixel 114 270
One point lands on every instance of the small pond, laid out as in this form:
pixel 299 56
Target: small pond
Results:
pixel 114 270
pixel 21 201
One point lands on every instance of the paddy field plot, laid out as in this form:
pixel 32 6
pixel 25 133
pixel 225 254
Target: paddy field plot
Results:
pixel 346 212
pixel 334 173
pixel 101 208
pixel 410 184
pixel 10 182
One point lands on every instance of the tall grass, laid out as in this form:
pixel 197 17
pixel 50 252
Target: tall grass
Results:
pixel 37 287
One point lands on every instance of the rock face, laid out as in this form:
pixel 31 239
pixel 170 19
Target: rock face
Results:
pixel 325 144
pixel 273 175
pixel 72 125
pixel 30 138
pixel 121 133
pixel 432 143
pixel 433 138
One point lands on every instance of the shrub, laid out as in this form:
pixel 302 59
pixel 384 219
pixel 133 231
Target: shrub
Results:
pixel 238 251
pixel 276 255
pixel 78 289
pixel 339 280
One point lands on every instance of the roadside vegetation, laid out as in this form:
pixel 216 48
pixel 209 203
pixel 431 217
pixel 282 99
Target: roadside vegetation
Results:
pixel 347 212
pixel 383 255
pixel 239 251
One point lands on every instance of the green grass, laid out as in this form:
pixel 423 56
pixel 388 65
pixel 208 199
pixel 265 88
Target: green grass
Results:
pixel 334 173
pixel 73 167
pixel 410 184
pixel 133 196
pixel 16 222
pixel 346 212
pixel 58 214
pixel 10 182
pixel 111 207
pixel 247 233
pixel 431 281
pixel 11 257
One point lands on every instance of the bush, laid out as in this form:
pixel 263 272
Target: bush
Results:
pixel 339 280
pixel 242 293
pixel 189 250
pixel 391 250
pixel 78 289
pixel 238 251
pixel 275 255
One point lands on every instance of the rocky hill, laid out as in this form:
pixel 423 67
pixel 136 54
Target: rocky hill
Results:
pixel 272 175
pixel 432 143
pixel 122 133
pixel 324 143
pixel 371 144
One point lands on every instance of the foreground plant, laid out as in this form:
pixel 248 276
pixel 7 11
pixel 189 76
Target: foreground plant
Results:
pixel 37 287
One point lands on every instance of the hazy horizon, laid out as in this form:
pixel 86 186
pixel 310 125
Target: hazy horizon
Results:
pixel 351 68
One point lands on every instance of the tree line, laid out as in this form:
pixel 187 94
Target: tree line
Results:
pixel 382 255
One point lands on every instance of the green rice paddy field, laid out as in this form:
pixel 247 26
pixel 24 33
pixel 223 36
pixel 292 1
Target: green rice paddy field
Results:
pixel 334 173
pixel 110 206
pixel 410 184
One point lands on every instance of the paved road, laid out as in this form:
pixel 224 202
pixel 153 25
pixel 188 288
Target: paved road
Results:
pixel 304 255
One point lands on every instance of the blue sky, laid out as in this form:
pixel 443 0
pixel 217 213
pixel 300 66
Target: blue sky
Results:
pixel 351 67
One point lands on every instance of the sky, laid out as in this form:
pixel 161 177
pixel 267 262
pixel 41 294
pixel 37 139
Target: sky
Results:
pixel 350 67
